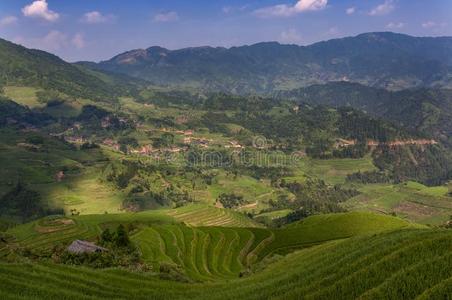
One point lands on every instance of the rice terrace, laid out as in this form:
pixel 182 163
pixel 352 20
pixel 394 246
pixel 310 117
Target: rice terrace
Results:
pixel 279 149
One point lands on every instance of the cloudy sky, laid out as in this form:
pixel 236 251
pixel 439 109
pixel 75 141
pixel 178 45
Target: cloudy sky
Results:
pixel 99 29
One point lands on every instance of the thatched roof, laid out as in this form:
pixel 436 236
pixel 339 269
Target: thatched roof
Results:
pixel 79 247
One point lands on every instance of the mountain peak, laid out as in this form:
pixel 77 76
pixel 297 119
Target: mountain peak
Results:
pixel 380 59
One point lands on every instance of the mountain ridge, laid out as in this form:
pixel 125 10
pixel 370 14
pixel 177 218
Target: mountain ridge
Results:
pixel 264 43
pixel 380 59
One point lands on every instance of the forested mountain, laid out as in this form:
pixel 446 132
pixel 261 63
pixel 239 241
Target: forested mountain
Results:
pixel 423 110
pixel 28 67
pixel 383 59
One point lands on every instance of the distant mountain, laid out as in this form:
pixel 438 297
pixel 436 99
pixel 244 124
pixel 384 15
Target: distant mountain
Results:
pixel 28 67
pixel 383 59
pixel 423 109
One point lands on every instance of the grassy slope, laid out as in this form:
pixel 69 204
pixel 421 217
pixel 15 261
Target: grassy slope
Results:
pixel 42 235
pixel 24 67
pixel 414 201
pixel 332 171
pixel 23 95
pixel 403 264
pixel 204 253
pixel 80 189
pixel 321 228
pixel 37 235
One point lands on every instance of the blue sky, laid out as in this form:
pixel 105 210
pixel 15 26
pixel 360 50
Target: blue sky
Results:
pixel 99 29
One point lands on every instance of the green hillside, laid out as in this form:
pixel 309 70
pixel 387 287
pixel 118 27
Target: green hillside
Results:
pixel 20 66
pixel 201 253
pixel 403 264
pixel 428 111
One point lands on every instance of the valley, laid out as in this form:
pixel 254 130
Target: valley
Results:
pixel 267 171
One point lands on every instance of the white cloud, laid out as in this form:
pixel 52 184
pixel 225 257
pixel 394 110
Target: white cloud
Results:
pixel 395 25
pixel 383 9
pixel 332 31
pixel 227 9
pixel 40 9
pixel 232 9
pixel 95 17
pixel 8 20
pixel 306 5
pixel 284 10
pixel 170 16
pixel 433 24
pixel 53 41
pixel 78 41
pixel 290 36
pixel 350 10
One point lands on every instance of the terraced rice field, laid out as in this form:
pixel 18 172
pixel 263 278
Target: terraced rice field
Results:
pixel 203 215
pixel 44 234
pixel 205 253
pixel 402 264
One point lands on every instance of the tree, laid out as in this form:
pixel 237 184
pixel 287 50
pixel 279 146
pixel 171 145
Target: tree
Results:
pixel 231 200
pixel 166 140
pixel 106 236
pixel 128 141
pixel 22 202
pixel 122 238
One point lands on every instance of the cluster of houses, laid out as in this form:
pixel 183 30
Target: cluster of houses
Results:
pixel 342 143
pixel 234 145
pixel 112 144
pixel 180 132
pixel 107 121
pixel 147 150
pixel 75 139
pixel 201 142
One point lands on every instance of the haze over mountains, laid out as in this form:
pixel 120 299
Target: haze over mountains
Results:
pixel 381 59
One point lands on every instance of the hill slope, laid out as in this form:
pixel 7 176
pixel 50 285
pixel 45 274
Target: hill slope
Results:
pixel 20 66
pixel 423 110
pixel 202 253
pixel 405 264
pixel 382 59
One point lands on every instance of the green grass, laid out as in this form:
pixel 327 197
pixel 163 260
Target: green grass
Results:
pixel 333 171
pixel 250 188
pixel 403 264
pixel 85 193
pixel 321 228
pixel 275 214
pixel 23 95
pixel 413 201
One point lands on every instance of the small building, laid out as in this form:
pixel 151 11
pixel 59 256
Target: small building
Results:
pixel 59 176
pixel 80 247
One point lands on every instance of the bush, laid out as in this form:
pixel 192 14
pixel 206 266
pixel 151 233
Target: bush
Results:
pixel 231 200
pixel 35 140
